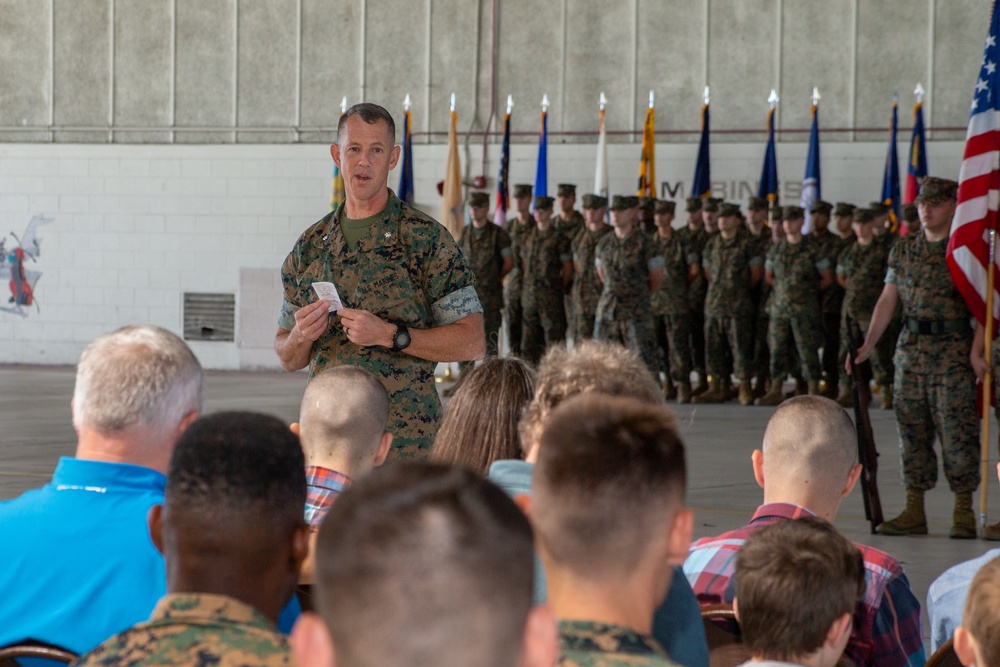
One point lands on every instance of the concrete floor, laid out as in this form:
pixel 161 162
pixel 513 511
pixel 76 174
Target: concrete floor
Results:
pixel 35 430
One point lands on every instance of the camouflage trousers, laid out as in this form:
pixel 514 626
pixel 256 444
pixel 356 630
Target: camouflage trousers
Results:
pixel 801 330
pixel 882 365
pixel 637 335
pixel 512 316
pixel 942 406
pixel 832 363
pixel 760 366
pixel 728 345
pixel 673 337
pixel 583 323
pixel 542 326
pixel 697 338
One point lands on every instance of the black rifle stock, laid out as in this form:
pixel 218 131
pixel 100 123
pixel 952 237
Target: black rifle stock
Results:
pixel 861 375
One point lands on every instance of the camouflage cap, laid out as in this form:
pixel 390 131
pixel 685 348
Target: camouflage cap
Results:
pixel 793 213
pixel 566 189
pixel 665 206
pixel 647 203
pixel 863 216
pixel 878 208
pixel 728 209
pixel 935 190
pixel 624 202
pixel 910 213
pixel 594 201
pixel 821 207
pixel 479 199
pixel 711 205
pixel 757 204
pixel 844 208
pixel 693 204
pixel 523 190
pixel 543 203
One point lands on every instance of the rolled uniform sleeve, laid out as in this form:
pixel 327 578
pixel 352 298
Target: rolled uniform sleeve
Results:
pixel 449 283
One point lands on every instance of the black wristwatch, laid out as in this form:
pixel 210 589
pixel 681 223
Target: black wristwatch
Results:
pixel 400 339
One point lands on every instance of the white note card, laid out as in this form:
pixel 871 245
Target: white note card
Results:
pixel 328 291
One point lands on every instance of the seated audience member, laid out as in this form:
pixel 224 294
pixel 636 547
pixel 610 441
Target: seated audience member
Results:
pixel 607 505
pixel 341 424
pixel 78 562
pixel 424 565
pixel 806 467
pixel 946 595
pixel 233 538
pixel 608 368
pixel 977 640
pixel 797 583
pixel 480 422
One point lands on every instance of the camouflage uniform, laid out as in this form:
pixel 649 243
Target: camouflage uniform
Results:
pixel 671 320
pixel 407 268
pixel 760 297
pixel 885 350
pixel 830 301
pixel 624 312
pixel 696 292
pixel 569 228
pixel 542 254
pixel 196 629
pixel 794 310
pixel 587 286
pixel 485 250
pixel 934 386
pixel 728 305
pixel 592 644
pixel 512 284
pixel 864 269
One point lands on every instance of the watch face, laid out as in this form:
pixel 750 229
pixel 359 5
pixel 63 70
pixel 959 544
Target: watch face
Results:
pixel 402 339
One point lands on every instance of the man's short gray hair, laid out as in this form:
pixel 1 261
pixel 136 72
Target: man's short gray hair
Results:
pixel 138 375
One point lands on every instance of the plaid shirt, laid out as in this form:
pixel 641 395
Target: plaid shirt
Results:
pixel 887 629
pixel 324 485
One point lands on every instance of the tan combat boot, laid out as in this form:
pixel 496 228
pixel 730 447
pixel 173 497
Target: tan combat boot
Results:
pixel 813 387
pixel 683 392
pixel 702 385
pixel 831 390
pixel 760 388
pixel 715 393
pixel 912 521
pixel 992 532
pixel 846 397
pixel 887 397
pixel 963 520
pixel 773 395
pixel 746 393
pixel 728 391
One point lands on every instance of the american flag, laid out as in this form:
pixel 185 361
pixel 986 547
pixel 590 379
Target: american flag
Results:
pixel 979 183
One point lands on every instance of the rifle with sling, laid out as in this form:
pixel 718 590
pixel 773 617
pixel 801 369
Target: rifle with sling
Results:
pixel 861 375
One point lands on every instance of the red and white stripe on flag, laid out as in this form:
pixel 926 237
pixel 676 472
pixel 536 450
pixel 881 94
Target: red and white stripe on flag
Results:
pixel 979 186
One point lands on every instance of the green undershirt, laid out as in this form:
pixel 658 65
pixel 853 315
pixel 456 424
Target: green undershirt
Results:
pixel 354 229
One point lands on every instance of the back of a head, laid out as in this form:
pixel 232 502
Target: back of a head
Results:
pixel 235 491
pixel 480 424
pixel 343 415
pixel 611 467
pixel 425 565
pixel 793 580
pixel 591 366
pixel 810 441
pixel 981 616
pixel 139 376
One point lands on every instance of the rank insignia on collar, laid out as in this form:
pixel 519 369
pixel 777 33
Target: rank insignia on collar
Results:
pixel 388 235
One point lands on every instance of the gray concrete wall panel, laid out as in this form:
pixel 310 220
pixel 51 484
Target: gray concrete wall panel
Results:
pixel 530 44
pixel 82 66
pixel 817 52
pixel 959 28
pixel 459 57
pixel 395 54
pixel 267 68
pixel 25 40
pixel 742 43
pixel 671 60
pixel 892 56
pixel 143 55
pixel 331 62
pixel 204 71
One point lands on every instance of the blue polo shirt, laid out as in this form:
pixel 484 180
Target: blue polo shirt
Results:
pixel 77 563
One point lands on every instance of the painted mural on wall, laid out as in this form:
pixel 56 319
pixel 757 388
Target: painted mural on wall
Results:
pixel 14 271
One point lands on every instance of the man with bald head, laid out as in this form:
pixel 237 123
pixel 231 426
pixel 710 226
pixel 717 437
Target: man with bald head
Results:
pixel 807 465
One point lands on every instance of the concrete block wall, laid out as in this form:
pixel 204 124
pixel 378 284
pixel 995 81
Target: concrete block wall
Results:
pixel 136 226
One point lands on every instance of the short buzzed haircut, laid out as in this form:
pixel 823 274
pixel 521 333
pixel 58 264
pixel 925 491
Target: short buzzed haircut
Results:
pixel 137 376
pixel 371 114
pixel 793 580
pixel 592 366
pixel 610 474
pixel 241 463
pixel 344 412
pixel 811 436
pixel 981 616
pixel 425 565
